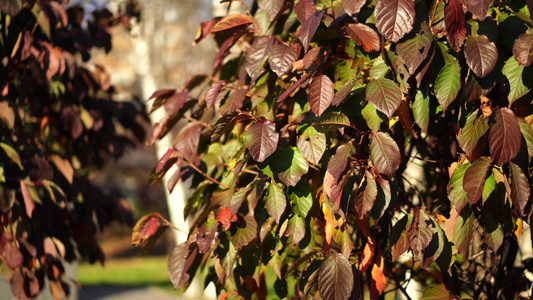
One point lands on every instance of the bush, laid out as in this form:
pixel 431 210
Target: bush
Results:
pixel 58 124
pixel 355 146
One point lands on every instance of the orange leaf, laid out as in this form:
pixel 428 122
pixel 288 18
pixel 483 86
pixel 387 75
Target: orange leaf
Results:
pixel 230 22
pixel 405 116
pixel 378 282
pixel 28 200
pixel 366 259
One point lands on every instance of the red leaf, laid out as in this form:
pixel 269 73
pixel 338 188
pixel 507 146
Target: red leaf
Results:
pixel 232 22
pixel 352 7
pixel 474 179
pixel 224 217
pixel 282 58
pixel 378 281
pixel 394 18
pixel 261 139
pixel 335 277
pixel 504 136
pixel 384 94
pixel 478 8
pixel 366 258
pixel 256 56
pixel 523 48
pixel 11 256
pixel 175 102
pixel 364 36
pixel 179 262
pixel 481 54
pixel 365 200
pixel 320 94
pixel 519 188
pixel 384 153
pixel 414 51
pixel 309 27
pixel 11 7
pixel 454 19
pixel 339 161
pixel 212 94
pixel 28 200
pixel 161 94
pixel 144 228
pixel 163 160
pixel 304 9
pixel 270 7
pixel 204 30
pixel 186 143
pixel 342 93
pixel 234 102
pixel 420 233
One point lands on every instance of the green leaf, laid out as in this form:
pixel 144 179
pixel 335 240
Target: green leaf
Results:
pixel 515 89
pixel 435 247
pixel 384 153
pixel 312 144
pixel 474 178
pixel 493 232
pixel 296 229
pixel 456 193
pixel 435 292
pixel 275 201
pixel 384 94
pixel 289 164
pixel 301 198
pixel 469 136
pixel 11 153
pixel 448 84
pixel 527 133
pixel 372 117
pixel 379 68
pixel 246 234
pixel 335 278
pixel 331 121
pixel 421 110
pixel 463 231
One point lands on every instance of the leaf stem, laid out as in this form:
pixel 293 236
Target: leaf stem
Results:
pixel 213 180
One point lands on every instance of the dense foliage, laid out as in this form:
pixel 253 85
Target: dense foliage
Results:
pixel 352 146
pixel 58 124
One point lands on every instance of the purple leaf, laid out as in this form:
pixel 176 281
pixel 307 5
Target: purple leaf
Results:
pixel 234 102
pixel 454 20
pixel 175 102
pixel 342 93
pixel 178 264
pixel 504 136
pixel 212 94
pixel 270 7
pixel 412 52
pixel 420 233
pixel 364 36
pixel 384 153
pixel 481 54
pixel 320 94
pixel 523 48
pixel 187 141
pixel 309 27
pixel 384 94
pixel 394 18
pixel 256 56
pixel 261 139
pixel 474 179
pixel 304 9
pixel 519 189
pixel 282 58
pixel 478 8
pixel 365 201
pixel 335 277
pixel 352 7
pixel 339 161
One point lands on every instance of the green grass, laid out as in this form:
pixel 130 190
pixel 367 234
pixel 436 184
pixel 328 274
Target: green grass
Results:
pixel 147 271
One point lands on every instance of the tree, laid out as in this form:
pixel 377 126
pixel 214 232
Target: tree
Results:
pixel 58 125
pixel 336 137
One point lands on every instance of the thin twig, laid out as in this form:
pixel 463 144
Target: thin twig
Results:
pixel 200 122
pixel 213 180
pixel 257 28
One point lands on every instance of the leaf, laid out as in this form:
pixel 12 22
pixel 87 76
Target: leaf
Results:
pixel 335 277
pixel 29 204
pixel 504 136
pixel 270 7
pixel 412 52
pixel 394 18
pixel 186 143
pixel 481 54
pixel 492 231
pixel 478 8
pixel 454 20
pixel 436 292
pixel 235 101
pixel 383 198
pixel 384 153
pixel 519 188
pixel 246 234
pixel 320 94
pixel 339 161
pixel 301 198
pixel 527 133
pixel 304 10
pixel 226 123
pixel 290 165
pixel 12 256
pixel 514 73
pixel 144 228
pixel 523 48
pixel 282 57
pixel 212 94
pixel 256 57
pixel 309 27
pixel 421 110
pixel 363 35
pixel 352 7
pixel 12 154
pixel 364 202
pixel 312 144
pixel 378 280
pixel 178 264
pixel 261 139
pixel 469 136
pixel 474 178
pixel 331 121
pixel 456 193
pixel 342 93
pixel 10 7
pixel 384 94
pixel 275 201
pixel 463 231
pixel 296 229
pixel 420 233
pixel 233 22
pixel 448 84
pixel 372 117
pixel 435 247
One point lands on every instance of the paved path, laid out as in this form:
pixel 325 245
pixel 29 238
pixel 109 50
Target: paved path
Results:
pixel 123 293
